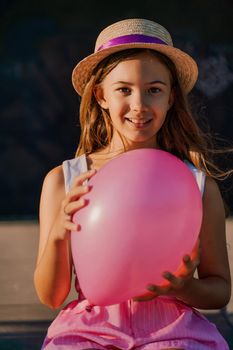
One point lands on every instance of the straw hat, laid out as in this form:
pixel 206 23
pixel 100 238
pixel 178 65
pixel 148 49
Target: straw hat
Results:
pixel 135 33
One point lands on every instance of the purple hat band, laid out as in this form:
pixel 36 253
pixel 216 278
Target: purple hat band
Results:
pixel 130 39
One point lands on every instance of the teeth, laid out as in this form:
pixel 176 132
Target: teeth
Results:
pixel 136 121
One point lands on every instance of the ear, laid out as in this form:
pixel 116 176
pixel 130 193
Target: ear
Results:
pixel 99 95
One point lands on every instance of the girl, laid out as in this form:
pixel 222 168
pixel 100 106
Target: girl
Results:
pixel 134 95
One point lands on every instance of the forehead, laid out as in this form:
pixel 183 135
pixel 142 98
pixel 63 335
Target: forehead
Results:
pixel 143 64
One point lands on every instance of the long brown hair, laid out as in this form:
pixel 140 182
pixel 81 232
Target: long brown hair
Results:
pixel 179 135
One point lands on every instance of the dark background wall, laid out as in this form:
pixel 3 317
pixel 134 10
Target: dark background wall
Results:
pixel 41 41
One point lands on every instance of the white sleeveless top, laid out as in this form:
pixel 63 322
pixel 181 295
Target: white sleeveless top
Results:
pixel 76 166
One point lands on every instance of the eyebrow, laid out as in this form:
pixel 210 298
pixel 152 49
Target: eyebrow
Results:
pixel 150 83
pixel 157 82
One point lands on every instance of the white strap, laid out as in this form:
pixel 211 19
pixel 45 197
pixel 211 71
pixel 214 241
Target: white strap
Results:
pixel 199 176
pixel 72 168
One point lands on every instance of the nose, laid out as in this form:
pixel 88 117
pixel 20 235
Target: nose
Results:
pixel 138 102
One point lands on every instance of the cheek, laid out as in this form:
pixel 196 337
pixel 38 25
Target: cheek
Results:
pixel 112 101
pixel 164 105
pixel 117 107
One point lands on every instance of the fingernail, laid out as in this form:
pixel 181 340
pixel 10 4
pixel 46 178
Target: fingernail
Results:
pixel 86 201
pixel 186 258
pixel 150 287
pixel 166 275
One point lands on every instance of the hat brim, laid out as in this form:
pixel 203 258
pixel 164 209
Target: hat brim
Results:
pixel 186 67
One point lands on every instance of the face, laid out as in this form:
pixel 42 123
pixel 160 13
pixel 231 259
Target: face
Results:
pixel 137 94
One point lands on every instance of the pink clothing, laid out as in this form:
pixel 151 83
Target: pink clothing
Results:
pixel 161 323
pixel 158 324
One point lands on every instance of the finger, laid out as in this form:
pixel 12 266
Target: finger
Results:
pixel 79 180
pixel 145 297
pixel 158 290
pixel 174 280
pixel 187 269
pixel 70 226
pixel 191 262
pixel 72 207
pixel 77 192
pixel 73 195
pixel 188 262
pixel 153 289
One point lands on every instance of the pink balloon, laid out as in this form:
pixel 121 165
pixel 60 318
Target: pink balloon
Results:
pixel 144 214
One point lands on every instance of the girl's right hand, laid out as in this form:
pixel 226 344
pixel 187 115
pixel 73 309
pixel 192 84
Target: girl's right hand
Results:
pixel 72 202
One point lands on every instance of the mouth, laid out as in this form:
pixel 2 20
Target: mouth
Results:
pixel 139 123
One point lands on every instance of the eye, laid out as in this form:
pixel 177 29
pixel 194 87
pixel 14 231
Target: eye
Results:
pixel 124 90
pixel 154 90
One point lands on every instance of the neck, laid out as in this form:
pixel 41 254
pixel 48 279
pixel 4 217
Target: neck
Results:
pixel 119 144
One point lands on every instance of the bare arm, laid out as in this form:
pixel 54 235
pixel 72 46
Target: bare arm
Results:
pixel 52 275
pixel 212 288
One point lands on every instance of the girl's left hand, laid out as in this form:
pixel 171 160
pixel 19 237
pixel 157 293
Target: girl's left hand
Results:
pixel 175 283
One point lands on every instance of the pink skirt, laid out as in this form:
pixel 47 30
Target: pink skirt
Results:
pixel 161 323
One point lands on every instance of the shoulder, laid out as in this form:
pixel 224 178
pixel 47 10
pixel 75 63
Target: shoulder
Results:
pixel 53 184
pixel 211 189
pixel 61 177
pixel 54 177
pixel 212 199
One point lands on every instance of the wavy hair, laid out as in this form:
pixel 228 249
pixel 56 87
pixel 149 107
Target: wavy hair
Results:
pixel 179 135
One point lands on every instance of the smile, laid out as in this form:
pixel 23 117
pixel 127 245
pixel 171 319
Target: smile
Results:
pixel 138 122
